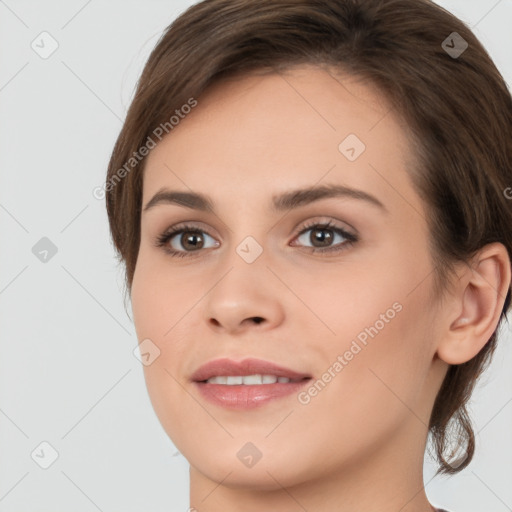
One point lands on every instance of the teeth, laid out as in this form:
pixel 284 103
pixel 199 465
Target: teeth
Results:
pixel 252 379
pixel 246 379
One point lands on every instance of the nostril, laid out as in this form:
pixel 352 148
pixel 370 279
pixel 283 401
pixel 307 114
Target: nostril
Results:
pixel 258 319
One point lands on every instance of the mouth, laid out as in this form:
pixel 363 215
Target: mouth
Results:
pixel 246 384
pixel 248 380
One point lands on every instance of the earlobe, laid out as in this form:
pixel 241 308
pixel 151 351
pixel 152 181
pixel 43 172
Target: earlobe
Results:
pixel 477 302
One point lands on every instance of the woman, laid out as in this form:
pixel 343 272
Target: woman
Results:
pixel 310 199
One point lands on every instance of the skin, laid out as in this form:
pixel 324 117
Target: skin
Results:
pixel 359 443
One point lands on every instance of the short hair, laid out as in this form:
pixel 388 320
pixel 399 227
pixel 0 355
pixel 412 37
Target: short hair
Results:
pixel 456 105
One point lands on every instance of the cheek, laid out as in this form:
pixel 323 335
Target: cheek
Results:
pixel 346 300
pixel 162 303
pixel 158 305
pixel 375 393
pixel 380 325
pixel 159 298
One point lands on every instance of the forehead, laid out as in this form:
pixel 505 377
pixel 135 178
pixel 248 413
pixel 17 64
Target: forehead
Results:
pixel 260 134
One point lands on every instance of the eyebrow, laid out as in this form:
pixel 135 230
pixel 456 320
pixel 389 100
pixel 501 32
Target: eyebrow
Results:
pixel 286 201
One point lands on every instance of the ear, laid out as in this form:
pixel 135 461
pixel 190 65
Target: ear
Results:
pixel 474 307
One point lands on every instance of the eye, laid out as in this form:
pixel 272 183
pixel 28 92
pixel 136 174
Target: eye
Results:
pixel 184 240
pixel 191 239
pixel 323 236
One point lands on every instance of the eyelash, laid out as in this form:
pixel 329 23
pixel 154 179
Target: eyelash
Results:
pixel 163 239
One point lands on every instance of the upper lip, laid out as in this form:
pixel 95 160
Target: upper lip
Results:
pixel 249 366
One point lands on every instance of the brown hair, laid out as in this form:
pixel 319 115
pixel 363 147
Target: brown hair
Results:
pixel 458 110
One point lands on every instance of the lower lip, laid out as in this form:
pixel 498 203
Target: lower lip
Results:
pixel 246 396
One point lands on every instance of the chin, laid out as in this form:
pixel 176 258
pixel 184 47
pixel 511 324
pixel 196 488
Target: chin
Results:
pixel 276 469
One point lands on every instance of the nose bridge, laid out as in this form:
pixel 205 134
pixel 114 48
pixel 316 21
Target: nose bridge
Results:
pixel 247 236
pixel 245 290
pixel 246 266
pixel 250 250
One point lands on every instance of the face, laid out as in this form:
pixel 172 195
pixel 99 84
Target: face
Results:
pixel 332 285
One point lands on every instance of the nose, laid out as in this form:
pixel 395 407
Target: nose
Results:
pixel 248 297
pixel 251 320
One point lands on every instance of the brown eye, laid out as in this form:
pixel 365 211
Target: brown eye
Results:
pixel 191 240
pixel 183 240
pixel 322 236
pixel 325 238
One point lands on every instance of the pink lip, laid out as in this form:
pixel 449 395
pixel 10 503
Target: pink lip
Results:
pixel 246 396
pixel 246 367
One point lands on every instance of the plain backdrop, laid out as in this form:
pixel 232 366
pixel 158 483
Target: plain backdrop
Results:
pixel 68 376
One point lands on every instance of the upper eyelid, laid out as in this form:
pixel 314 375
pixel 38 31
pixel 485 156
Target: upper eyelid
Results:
pixel 181 227
pixel 305 225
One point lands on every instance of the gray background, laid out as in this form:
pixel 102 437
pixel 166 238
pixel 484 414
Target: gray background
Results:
pixel 68 375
